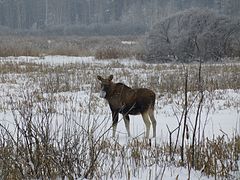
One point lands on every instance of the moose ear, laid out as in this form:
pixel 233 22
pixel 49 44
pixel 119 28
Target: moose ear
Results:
pixel 99 78
pixel 110 77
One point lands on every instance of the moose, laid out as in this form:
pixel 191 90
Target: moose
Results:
pixel 128 101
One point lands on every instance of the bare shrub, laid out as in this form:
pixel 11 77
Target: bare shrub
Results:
pixel 42 147
pixel 193 34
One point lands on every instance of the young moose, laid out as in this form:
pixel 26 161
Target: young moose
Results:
pixel 127 101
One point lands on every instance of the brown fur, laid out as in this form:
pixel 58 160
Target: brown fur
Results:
pixel 127 101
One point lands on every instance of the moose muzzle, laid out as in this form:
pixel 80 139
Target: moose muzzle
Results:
pixel 103 94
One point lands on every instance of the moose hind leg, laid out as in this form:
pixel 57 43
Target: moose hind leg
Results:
pixel 126 121
pixel 153 120
pixel 147 122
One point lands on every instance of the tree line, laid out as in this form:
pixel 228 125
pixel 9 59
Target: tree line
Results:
pixel 43 14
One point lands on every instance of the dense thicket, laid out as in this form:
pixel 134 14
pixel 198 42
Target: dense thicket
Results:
pixel 97 16
pixel 193 34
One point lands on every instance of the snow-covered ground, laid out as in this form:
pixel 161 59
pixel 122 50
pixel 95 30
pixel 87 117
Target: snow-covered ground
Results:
pixel 220 114
pixel 220 117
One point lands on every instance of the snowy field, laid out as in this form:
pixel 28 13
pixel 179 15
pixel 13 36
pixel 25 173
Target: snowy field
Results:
pixel 77 104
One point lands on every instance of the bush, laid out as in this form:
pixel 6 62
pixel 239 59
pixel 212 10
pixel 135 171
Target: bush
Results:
pixel 193 34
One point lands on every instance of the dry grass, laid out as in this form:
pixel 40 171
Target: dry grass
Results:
pixel 79 147
pixel 112 53
pixel 161 78
pixel 68 45
pixel 217 157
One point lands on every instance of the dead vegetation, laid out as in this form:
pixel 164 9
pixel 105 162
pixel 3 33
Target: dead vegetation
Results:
pixel 101 47
pixel 53 134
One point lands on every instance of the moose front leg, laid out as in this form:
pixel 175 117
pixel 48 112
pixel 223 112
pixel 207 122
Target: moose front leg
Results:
pixel 115 122
pixel 126 121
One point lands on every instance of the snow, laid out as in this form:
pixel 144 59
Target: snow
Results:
pixel 219 116
pixel 129 42
pixel 52 60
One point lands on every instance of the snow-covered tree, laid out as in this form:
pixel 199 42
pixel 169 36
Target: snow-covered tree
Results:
pixel 192 34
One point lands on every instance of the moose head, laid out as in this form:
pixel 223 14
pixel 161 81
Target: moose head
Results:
pixel 105 85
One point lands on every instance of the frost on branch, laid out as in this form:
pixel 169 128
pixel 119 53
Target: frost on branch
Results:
pixel 193 34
